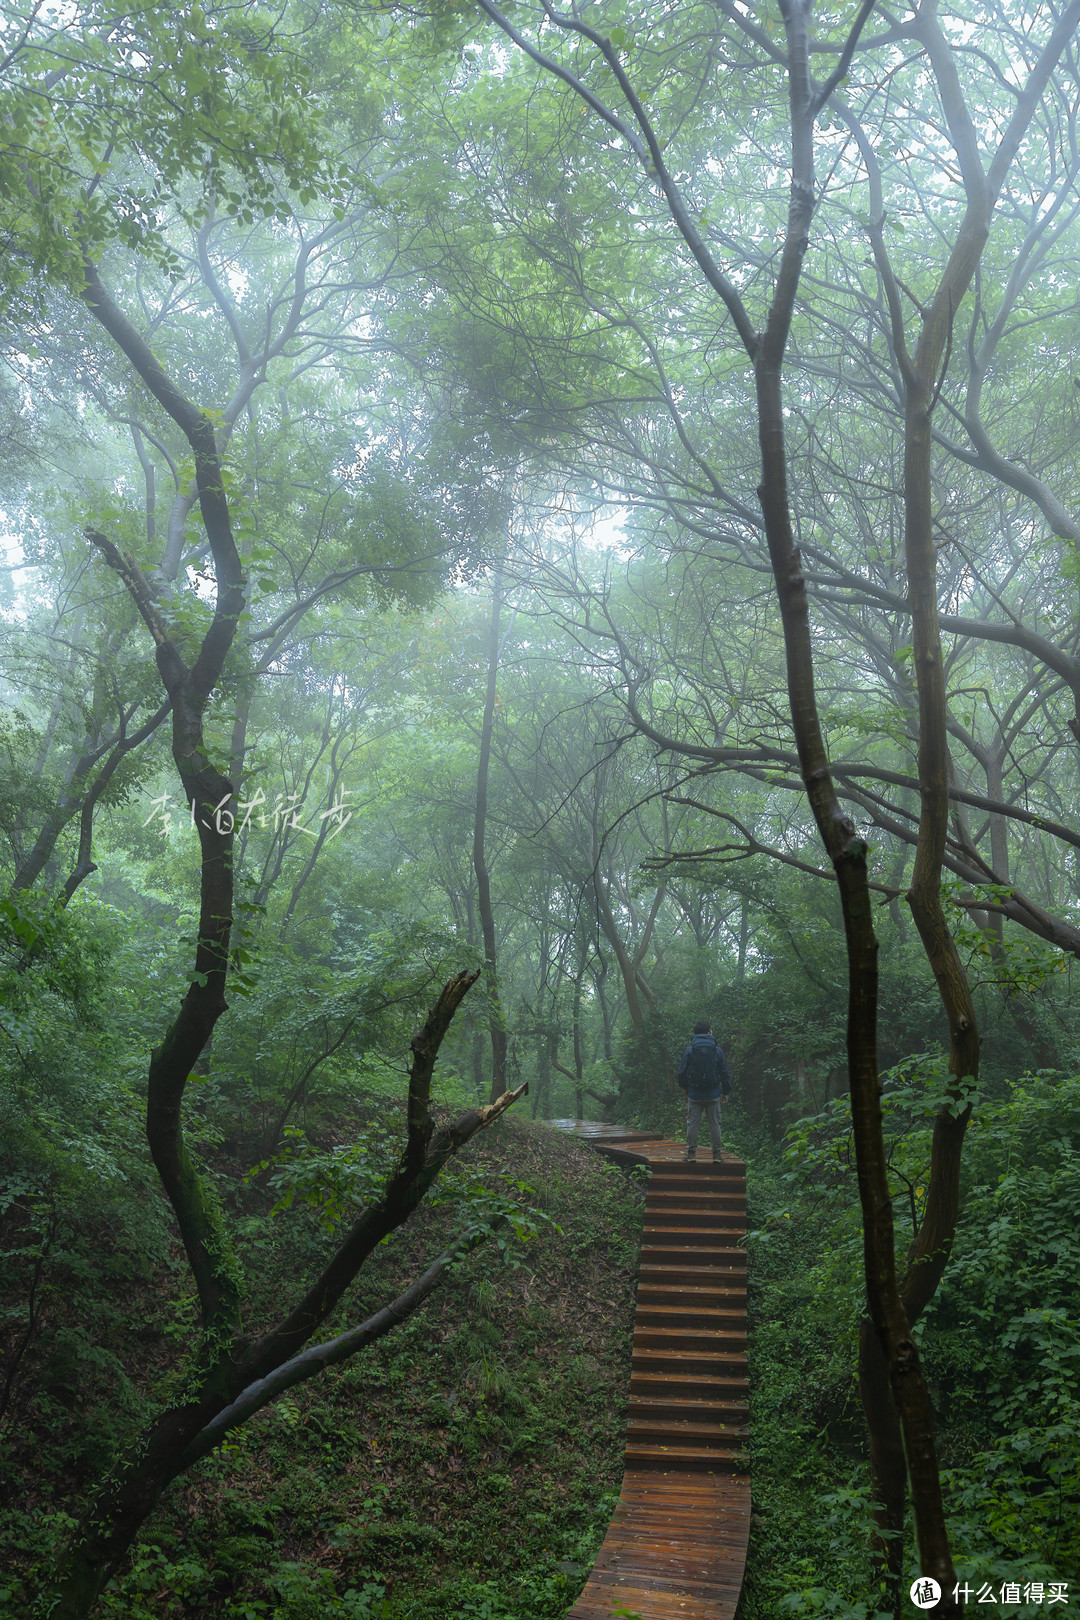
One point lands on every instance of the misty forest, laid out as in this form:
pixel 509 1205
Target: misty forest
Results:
pixel 525 528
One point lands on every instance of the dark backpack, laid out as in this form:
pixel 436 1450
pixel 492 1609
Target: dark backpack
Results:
pixel 702 1067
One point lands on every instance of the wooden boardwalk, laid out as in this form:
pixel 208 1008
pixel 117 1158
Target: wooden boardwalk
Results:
pixel 676 1547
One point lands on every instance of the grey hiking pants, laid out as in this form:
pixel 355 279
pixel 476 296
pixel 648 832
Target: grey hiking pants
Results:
pixel 694 1111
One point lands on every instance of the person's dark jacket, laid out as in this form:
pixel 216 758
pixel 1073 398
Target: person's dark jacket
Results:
pixel 710 1093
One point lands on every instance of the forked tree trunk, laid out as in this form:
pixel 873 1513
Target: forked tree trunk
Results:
pixel 229 1376
pixel 233 1377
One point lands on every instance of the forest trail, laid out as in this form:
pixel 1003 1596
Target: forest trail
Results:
pixel 676 1546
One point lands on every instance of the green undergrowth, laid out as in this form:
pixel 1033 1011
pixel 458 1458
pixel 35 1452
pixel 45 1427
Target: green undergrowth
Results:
pixel 1000 1347
pixel 466 1465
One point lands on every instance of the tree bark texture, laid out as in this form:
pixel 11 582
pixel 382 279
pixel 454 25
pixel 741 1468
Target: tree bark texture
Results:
pixel 207 791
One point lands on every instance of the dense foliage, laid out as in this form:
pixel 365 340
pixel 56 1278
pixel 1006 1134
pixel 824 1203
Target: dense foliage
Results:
pixel 999 1343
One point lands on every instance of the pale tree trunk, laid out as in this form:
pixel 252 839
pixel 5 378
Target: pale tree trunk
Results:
pixel 635 986
pixel 497 1024
pixel 609 1014
pixel 579 1066
pixel 630 978
pixel 88 778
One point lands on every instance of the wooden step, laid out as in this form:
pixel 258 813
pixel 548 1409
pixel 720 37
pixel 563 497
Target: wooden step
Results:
pixel 686 1202
pixel 717 1289
pixel 691 1459
pixel 696 1276
pixel 728 1195
pixel 649 1383
pixel 726 1228
pixel 729 1292
pixel 682 1315
pixel 694 1255
pixel 666 1331
pixel 697 1436
pixel 691 1211
pixel 735 1409
pixel 686 1365
pixel 711 1247
pixel 728 1304
pixel 736 1206
pixel 727 1232
pixel 690 1339
pixel 713 1194
pixel 691 1237
pixel 702 1175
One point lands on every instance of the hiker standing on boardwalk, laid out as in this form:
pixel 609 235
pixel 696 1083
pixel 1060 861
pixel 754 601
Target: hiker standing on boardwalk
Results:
pixel 703 1075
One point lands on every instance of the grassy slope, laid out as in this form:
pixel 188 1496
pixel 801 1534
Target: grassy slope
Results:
pixel 466 1465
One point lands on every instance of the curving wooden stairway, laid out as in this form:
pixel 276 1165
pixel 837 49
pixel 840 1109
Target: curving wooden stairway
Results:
pixel 676 1546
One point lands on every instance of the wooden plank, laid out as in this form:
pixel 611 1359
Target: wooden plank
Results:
pixel 676 1545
